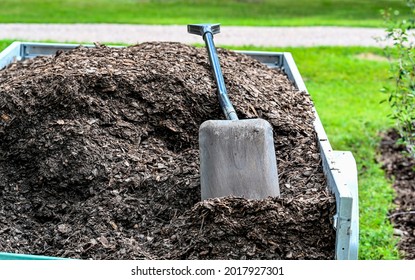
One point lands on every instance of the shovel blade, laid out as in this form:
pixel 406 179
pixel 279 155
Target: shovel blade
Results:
pixel 237 157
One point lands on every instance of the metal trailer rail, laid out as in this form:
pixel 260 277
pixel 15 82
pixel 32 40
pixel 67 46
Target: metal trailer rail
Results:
pixel 339 166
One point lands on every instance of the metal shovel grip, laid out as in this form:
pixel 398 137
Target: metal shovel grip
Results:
pixel 207 31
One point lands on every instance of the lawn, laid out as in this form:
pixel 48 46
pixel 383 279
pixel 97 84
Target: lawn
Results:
pixel 228 12
pixel 345 84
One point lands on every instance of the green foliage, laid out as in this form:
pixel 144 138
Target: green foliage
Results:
pixel 227 12
pixel 401 96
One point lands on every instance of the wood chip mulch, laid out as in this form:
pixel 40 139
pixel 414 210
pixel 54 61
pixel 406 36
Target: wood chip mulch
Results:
pixel 99 158
pixel 400 168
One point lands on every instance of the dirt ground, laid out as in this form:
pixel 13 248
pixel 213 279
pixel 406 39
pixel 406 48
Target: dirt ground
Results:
pixel 99 159
pixel 400 168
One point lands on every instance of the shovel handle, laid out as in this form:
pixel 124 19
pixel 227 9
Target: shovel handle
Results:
pixel 207 31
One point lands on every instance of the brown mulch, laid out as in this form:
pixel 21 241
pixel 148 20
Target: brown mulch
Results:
pixel 400 167
pixel 99 159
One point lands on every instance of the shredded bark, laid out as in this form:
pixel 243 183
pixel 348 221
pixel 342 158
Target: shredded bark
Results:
pixel 99 158
pixel 400 168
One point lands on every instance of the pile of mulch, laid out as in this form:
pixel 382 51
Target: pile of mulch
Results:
pixel 99 158
pixel 400 167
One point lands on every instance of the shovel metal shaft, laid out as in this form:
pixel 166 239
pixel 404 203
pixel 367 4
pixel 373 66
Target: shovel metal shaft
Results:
pixel 207 32
pixel 237 157
pixel 224 101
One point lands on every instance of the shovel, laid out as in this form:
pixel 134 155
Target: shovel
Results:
pixel 237 157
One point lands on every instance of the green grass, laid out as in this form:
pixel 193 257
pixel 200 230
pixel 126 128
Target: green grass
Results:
pixel 346 91
pixel 4 44
pixel 227 12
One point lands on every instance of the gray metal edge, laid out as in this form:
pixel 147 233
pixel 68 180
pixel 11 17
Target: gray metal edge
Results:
pixel 13 256
pixel 10 54
pixel 23 50
pixel 347 165
pixel 339 180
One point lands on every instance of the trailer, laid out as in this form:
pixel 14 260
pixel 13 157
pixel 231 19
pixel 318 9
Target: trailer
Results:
pixel 339 166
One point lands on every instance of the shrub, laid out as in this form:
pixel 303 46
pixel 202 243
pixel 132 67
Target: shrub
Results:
pixel 401 55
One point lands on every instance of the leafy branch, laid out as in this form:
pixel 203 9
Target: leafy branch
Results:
pixel 402 69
